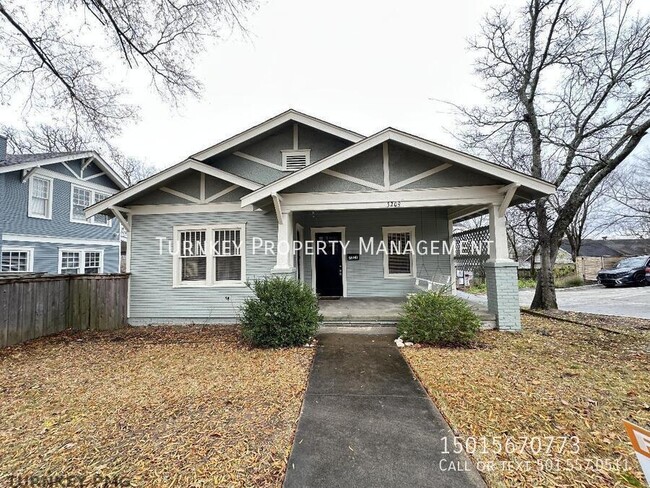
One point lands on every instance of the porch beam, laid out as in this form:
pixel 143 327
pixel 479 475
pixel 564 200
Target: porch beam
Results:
pixel 465 211
pixel 436 197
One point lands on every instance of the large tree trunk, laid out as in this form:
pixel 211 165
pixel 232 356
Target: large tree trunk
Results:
pixel 545 290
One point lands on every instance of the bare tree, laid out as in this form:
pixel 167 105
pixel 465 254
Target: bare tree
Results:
pixel 44 138
pixel 59 56
pixel 568 100
pixel 630 194
pixel 591 218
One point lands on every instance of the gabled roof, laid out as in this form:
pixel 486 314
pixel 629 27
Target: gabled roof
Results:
pixel 536 185
pixel 272 123
pixel 159 178
pixel 16 162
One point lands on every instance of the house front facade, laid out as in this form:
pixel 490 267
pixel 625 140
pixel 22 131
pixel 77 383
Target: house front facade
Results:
pixel 295 196
pixel 43 228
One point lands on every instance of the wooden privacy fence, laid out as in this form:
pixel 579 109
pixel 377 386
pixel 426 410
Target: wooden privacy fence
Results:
pixel 32 307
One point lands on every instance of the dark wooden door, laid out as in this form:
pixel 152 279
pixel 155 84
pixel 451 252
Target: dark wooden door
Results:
pixel 329 265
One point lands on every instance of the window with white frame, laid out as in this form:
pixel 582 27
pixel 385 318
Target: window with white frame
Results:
pixel 399 259
pixel 209 255
pixel 83 198
pixel 81 261
pixel 16 260
pixel 40 197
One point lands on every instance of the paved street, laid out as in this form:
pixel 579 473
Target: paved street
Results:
pixel 627 302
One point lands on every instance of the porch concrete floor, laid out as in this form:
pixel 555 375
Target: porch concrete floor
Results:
pixel 384 310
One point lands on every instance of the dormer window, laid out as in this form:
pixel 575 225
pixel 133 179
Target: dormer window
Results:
pixel 295 159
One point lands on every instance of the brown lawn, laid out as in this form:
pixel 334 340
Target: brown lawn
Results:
pixel 157 406
pixel 554 379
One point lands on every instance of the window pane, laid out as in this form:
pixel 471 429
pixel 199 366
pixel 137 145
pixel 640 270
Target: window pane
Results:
pixel 40 196
pixel 70 262
pixel 228 268
pixel 399 262
pixel 101 218
pixel 15 261
pixel 92 262
pixel 193 260
pixel 80 200
pixel 227 242
pixel 193 269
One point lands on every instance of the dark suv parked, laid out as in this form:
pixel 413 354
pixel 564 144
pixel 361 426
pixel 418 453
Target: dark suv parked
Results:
pixel 628 271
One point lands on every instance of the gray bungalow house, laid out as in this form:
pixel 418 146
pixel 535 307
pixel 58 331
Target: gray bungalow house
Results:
pixel 43 228
pixel 259 203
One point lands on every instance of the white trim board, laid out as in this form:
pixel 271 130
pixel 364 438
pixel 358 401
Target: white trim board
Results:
pixel 58 240
pixel 316 230
pixel 407 140
pixel 103 165
pixel 176 208
pixel 272 123
pixel 159 178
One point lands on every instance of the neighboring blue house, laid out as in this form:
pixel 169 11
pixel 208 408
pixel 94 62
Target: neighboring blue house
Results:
pixel 42 224
pixel 259 202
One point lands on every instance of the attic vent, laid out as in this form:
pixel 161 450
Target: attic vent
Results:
pixel 295 159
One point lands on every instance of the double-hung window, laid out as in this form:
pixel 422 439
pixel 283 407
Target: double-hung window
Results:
pixel 209 255
pixel 16 260
pixel 399 259
pixel 40 197
pixel 81 261
pixel 83 198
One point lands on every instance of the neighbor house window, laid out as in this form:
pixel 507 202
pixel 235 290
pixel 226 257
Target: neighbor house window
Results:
pixel 209 256
pixel 40 197
pixel 83 198
pixel 73 261
pixel 16 260
pixel 399 260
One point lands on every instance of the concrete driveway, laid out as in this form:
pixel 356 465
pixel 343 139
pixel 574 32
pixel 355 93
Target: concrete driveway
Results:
pixel 625 302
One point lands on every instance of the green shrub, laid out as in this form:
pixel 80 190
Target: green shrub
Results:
pixel 437 318
pixel 283 313
pixel 527 283
pixel 477 289
pixel 569 281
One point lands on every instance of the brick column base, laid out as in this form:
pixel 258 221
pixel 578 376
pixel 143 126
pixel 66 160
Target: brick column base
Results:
pixel 503 293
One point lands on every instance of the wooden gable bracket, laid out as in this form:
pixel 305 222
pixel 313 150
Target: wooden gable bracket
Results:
pixel 28 174
pixel 278 208
pixel 87 162
pixel 509 191
pixel 119 214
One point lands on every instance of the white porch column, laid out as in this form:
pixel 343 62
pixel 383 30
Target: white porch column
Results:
pixel 501 275
pixel 284 246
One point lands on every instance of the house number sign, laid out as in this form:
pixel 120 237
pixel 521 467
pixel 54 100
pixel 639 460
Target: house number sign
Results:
pixel 394 203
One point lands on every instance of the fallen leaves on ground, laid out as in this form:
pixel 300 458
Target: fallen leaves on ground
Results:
pixel 553 379
pixel 613 322
pixel 157 406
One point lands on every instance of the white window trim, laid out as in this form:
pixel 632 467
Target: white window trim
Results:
pixel 48 215
pixel 30 257
pixel 402 228
pixel 82 258
pixel 209 281
pixel 93 191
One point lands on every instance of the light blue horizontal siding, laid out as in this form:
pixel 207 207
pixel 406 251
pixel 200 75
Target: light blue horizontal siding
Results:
pixel 46 255
pixel 16 204
pixel 365 278
pixel 152 296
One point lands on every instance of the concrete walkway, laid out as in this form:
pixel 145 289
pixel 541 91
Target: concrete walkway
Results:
pixel 366 422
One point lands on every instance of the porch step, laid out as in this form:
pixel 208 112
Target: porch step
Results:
pixel 358 323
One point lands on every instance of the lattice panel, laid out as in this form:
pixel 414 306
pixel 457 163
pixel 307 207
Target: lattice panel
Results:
pixel 470 260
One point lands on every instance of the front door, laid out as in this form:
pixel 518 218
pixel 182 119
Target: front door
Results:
pixel 329 265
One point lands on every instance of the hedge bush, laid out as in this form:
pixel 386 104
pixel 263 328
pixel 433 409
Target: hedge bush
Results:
pixel 438 318
pixel 283 313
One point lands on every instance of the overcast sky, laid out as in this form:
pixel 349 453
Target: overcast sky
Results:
pixel 362 64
